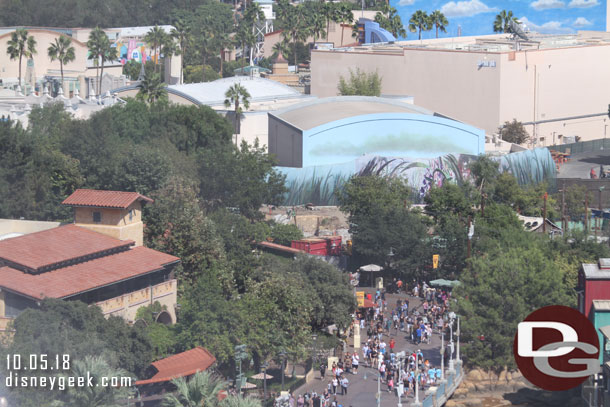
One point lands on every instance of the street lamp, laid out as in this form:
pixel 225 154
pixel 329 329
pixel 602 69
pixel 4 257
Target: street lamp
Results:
pixel 240 354
pixel 401 356
pixel 451 319
pixel 442 353
pixel 283 356
pixel 264 367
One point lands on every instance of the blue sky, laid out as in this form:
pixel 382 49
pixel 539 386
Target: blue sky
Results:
pixel 476 16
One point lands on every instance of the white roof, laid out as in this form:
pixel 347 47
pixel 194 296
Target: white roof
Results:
pixel 213 93
pixel 593 272
pixel 10 235
pixel 140 31
pixel 602 305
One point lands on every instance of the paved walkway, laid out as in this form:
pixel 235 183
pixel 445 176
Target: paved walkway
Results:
pixel 363 386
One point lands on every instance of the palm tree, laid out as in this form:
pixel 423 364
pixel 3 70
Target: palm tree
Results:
pixel 317 25
pixel 155 38
pixel 95 396
pixel 101 51
pixel 21 45
pixel 245 38
pixel 502 21
pixel 151 88
pixel 182 33
pixel 345 16
pixel 225 42
pixel 391 22
pixel 419 22
pixel 235 95
pixel 63 51
pixel 238 401
pixel 439 21
pixel 169 48
pixel 296 29
pixel 201 390
pixel 331 13
pixel 253 15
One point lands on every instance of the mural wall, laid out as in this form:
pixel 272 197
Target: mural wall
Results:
pixel 398 146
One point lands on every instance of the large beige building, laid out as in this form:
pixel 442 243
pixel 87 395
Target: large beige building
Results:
pixel 554 80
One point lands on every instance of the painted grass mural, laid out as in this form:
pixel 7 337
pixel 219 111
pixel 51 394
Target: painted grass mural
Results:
pixel 319 185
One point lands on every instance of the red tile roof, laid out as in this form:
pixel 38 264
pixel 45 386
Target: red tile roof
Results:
pixel 275 246
pixel 71 280
pixel 183 364
pixel 49 248
pixel 104 199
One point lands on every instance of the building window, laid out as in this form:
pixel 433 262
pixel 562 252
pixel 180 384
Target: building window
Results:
pixel 97 217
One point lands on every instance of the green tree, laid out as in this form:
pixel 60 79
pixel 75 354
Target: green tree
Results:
pixel 502 21
pixel 201 389
pixel 155 38
pixel 63 51
pixel 499 291
pixel 169 48
pixel 360 83
pixel 295 28
pixel 237 96
pixel 250 170
pixel 439 21
pixel 182 33
pixel 100 51
pixel 392 22
pixel 21 45
pixel 420 21
pixel 346 16
pixel 151 88
pixel 513 132
pixel 95 396
pixel 239 401
pixel 225 43
pixel 285 234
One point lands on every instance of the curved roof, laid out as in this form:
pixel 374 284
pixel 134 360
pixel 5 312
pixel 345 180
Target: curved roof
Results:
pixel 213 93
pixel 308 115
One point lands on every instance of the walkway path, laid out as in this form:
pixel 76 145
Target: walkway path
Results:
pixel 363 386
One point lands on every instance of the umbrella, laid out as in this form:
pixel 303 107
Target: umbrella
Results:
pixel 248 386
pixel 444 283
pixel 371 267
pixel 261 376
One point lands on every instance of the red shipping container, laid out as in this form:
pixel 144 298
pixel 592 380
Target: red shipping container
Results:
pixel 312 246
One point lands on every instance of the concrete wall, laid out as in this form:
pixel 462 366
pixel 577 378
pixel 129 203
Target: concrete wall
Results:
pixel 25 226
pixel 537 84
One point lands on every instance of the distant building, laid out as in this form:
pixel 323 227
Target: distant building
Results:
pixel 160 374
pixel 593 284
pixel 98 260
pixel 488 80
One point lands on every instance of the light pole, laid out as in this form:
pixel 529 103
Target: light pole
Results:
pixel 457 355
pixel 283 356
pixel 442 354
pixel 400 356
pixel 240 354
pixel 264 366
pixel 451 318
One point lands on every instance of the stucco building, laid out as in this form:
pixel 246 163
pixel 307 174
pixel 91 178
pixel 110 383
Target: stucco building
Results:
pixel 99 260
pixel 551 80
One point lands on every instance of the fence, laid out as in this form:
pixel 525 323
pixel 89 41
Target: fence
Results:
pixel 445 389
pixel 583 146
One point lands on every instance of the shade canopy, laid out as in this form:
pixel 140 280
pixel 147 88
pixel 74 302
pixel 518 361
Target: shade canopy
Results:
pixel 371 267
pixel 441 282
pixel 261 376
pixel 248 386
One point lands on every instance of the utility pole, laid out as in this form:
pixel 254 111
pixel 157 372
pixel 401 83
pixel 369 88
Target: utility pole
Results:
pixel 469 236
pixel 586 215
pixel 442 353
pixel 544 214
pixel 563 208
pixel 601 217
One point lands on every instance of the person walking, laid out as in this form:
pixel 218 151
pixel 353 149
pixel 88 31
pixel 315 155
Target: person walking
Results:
pixel 344 385
pixel 335 383
pixel 301 401
pixel 322 371
pixel 355 362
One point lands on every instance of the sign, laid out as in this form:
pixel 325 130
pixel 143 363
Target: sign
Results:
pixel 360 298
pixel 556 348
pixel 435 261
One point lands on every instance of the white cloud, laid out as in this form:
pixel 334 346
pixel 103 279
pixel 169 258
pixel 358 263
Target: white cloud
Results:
pixel 465 8
pixel 406 2
pixel 581 22
pixel 550 27
pixel 583 3
pixel 547 4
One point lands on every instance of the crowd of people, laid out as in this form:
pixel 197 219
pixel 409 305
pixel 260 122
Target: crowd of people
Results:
pixel 384 324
